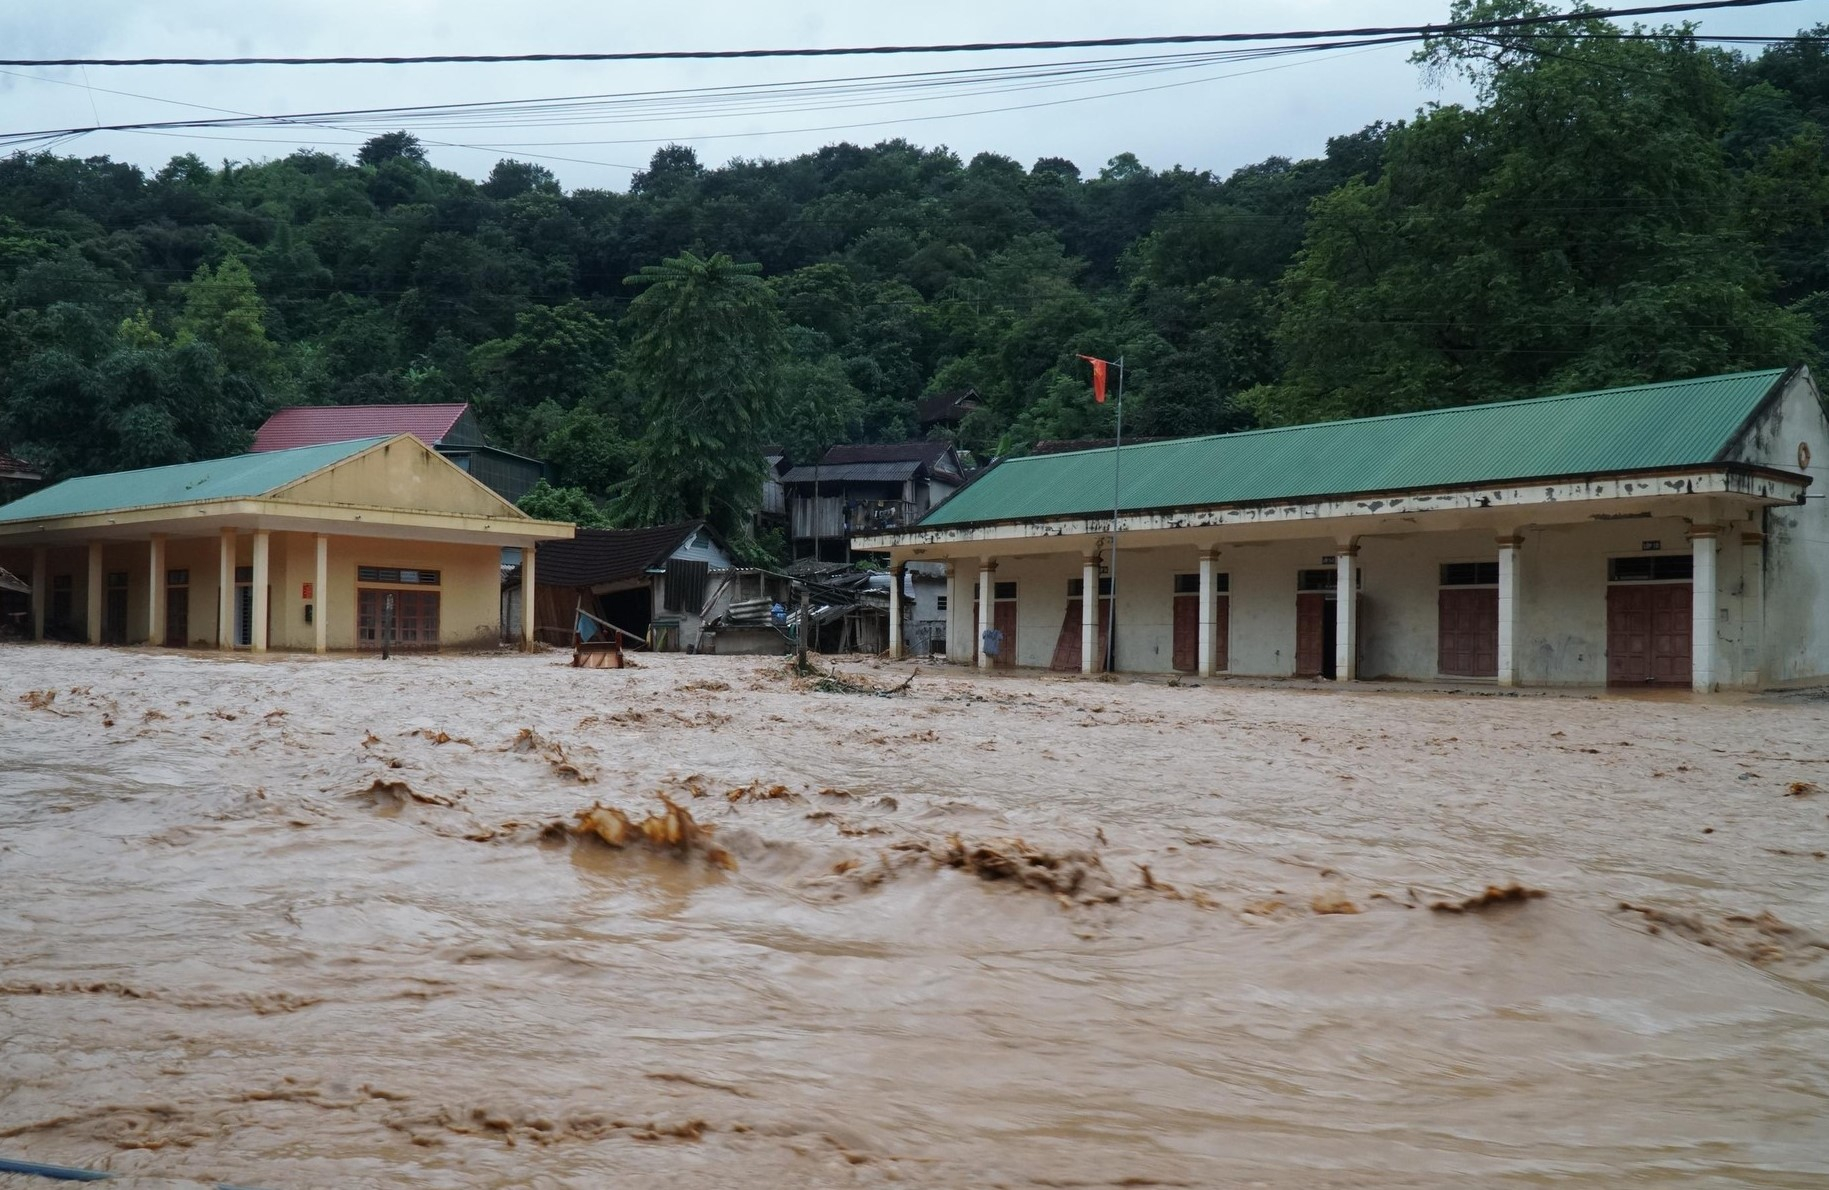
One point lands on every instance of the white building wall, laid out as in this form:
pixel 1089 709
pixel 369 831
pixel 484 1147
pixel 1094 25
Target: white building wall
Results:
pixel 1562 639
pixel 1795 634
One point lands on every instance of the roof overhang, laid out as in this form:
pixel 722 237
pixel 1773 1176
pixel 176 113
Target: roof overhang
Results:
pixel 205 517
pixel 1518 502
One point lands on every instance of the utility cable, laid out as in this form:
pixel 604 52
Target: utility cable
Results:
pixel 1416 32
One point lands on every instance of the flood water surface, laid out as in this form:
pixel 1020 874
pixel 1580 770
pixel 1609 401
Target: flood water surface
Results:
pixel 479 921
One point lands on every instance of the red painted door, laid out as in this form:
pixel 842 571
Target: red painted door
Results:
pixel 1311 633
pixel 1648 634
pixel 1468 632
pixel 1067 644
pixel 1187 633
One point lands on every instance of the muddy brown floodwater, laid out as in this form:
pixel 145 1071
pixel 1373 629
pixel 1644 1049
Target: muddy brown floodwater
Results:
pixel 491 922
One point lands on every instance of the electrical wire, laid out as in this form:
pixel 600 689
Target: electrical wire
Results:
pixel 1414 32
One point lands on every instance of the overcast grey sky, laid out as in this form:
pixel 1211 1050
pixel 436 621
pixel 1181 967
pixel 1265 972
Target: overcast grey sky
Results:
pixel 1227 119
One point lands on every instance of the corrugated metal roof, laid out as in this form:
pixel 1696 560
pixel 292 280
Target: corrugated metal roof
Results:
pixel 15 468
pixel 890 472
pixel 239 476
pixel 597 556
pixel 312 425
pixel 1678 423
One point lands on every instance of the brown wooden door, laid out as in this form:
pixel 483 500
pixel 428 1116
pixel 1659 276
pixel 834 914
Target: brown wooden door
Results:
pixel 1222 633
pixel 1672 622
pixel 1003 618
pixel 1648 634
pixel 177 617
pixel 1311 634
pixel 1467 643
pixel 1067 645
pixel 1187 633
pixel 114 616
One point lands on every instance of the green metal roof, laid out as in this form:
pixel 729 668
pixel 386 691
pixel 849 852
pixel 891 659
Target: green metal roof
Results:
pixel 1679 423
pixel 238 477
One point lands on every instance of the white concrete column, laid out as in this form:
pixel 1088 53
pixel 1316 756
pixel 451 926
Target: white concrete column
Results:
pixel 41 583
pixel 155 591
pixel 1752 611
pixel 987 603
pixel 225 591
pixel 1209 613
pixel 320 591
pixel 529 586
pixel 1509 610
pixel 1704 542
pixel 1346 614
pixel 263 572
pixel 94 593
pixel 895 613
pixel 1091 658
pixel 955 615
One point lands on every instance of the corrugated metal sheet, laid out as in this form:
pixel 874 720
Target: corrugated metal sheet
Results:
pixel 215 479
pixel 312 425
pixel 1679 423
pixel 893 472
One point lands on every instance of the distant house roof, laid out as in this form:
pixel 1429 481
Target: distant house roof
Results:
pixel 947 408
pixel 939 457
pixel 598 556
pixel 16 468
pixel 1610 431
pixel 241 476
pixel 896 471
pixel 311 425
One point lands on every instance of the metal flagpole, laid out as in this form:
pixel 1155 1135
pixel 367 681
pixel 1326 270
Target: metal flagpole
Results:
pixel 1117 458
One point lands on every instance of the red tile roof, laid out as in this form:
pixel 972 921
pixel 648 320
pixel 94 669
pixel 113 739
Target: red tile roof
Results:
pixel 313 425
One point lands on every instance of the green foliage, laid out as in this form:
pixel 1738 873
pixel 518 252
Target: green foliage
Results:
pixel 1607 211
pixel 704 352
pixel 547 503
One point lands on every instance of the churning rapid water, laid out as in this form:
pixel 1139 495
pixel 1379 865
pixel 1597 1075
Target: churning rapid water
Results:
pixel 303 923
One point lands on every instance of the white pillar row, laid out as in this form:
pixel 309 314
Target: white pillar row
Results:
pixel 41 582
pixel 320 590
pixel 1209 613
pixel 225 591
pixel 155 591
pixel 1752 610
pixel 263 571
pixel 1091 656
pixel 987 604
pixel 1704 543
pixel 530 585
pixel 1509 609
pixel 1346 614
pixel 94 593
pixel 895 613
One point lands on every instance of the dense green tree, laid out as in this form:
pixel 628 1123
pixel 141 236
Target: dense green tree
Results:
pixel 547 503
pixel 704 348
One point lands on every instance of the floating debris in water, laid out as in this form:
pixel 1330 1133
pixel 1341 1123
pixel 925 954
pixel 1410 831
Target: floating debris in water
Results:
pixel 1494 896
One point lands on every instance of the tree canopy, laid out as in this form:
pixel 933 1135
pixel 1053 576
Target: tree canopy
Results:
pixel 1607 211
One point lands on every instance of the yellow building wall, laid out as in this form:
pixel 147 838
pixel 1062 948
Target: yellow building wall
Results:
pixel 469 588
pixel 404 474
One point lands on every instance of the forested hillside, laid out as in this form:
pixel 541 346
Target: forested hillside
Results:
pixel 1609 211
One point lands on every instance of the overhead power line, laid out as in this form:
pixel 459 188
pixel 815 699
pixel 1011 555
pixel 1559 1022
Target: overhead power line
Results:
pixel 1408 32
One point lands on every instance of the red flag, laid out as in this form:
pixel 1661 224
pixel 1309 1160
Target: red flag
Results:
pixel 1098 377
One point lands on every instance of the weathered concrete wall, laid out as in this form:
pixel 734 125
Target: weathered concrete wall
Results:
pixel 1795 638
